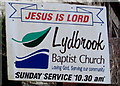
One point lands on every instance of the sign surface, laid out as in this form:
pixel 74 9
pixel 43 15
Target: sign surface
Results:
pixel 57 42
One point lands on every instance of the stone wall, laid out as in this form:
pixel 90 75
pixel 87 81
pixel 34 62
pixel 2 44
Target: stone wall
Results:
pixel 114 40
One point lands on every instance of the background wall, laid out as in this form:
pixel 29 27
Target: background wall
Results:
pixel 113 16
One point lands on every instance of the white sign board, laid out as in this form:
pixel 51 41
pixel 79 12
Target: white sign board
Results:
pixel 57 42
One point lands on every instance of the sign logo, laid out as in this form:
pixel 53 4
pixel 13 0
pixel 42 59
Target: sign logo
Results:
pixel 37 59
pixel 33 39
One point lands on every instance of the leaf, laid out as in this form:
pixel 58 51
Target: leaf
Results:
pixel 32 36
